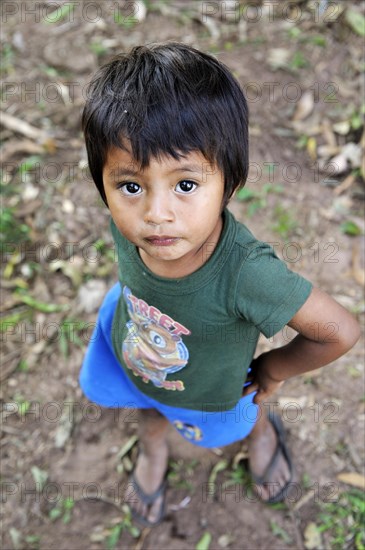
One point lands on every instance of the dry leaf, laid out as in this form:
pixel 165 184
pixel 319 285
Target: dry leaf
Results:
pixel 337 165
pixel 20 126
pixel 65 426
pixel 14 147
pixel 358 272
pixel 141 10
pixel 72 270
pixel 91 294
pixel 30 192
pixel 347 182
pixel 242 455
pixel 328 150
pixel 278 58
pixel 50 146
pixel 212 27
pixel 312 148
pixel 352 152
pixel 352 478
pixel 362 145
pixel 68 206
pixel 312 537
pixel 328 134
pixel 305 106
pixel 342 127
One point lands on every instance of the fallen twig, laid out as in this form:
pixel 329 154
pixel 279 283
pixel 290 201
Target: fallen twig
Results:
pixel 22 127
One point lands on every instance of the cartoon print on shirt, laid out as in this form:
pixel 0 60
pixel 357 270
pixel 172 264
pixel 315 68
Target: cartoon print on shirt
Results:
pixel 153 347
pixel 189 431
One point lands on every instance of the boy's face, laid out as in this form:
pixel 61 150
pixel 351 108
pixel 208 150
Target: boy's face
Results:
pixel 171 210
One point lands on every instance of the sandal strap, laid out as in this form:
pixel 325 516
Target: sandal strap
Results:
pixel 147 498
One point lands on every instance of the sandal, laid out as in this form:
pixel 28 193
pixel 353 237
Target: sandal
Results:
pixel 149 500
pixel 281 448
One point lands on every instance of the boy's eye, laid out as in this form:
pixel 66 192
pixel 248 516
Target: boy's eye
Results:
pixel 185 186
pixel 130 188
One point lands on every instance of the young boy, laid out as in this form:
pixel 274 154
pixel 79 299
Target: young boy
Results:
pixel 166 134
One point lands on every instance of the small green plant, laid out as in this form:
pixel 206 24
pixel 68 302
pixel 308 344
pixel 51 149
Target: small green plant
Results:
pixel 279 532
pixel 7 61
pixel 344 521
pixel 350 228
pixel 126 21
pixel 285 223
pixel 124 525
pixel 52 72
pixel 356 21
pixel 238 474
pixel 11 231
pixel 257 199
pixel 60 13
pixel 29 164
pixel 298 61
pixel 33 541
pixel 318 40
pixel 177 475
pixel 306 481
pixel 23 296
pixel 69 334
pixel 63 510
pixel 23 366
pixel 294 32
pixel 98 48
pixel 23 404
pixel 357 118
pixel 105 250
pixel 204 542
pixel 9 322
pixel 228 46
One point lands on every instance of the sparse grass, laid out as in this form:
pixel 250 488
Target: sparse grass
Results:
pixel 344 521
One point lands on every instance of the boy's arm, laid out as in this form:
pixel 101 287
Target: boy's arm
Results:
pixel 326 331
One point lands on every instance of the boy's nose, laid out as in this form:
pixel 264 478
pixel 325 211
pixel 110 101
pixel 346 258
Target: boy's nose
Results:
pixel 158 210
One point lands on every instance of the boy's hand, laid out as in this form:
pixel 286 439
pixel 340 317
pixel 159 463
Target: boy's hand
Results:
pixel 325 332
pixel 258 380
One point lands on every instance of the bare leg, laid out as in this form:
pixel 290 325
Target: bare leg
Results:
pixel 262 443
pixel 151 463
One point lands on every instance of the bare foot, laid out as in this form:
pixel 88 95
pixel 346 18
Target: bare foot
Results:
pixel 271 474
pixel 149 474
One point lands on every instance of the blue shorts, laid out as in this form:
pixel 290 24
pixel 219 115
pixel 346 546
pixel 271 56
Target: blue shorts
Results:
pixel 104 382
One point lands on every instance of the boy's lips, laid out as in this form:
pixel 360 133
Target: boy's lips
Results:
pixel 161 240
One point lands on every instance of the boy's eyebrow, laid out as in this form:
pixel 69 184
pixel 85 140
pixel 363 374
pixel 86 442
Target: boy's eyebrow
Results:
pixel 119 171
pixel 196 168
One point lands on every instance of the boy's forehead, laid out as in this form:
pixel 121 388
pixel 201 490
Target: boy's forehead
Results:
pixel 120 160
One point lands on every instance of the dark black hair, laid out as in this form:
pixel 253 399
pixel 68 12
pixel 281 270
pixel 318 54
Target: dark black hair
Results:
pixel 167 99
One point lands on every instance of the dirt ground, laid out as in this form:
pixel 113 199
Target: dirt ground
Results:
pixel 64 460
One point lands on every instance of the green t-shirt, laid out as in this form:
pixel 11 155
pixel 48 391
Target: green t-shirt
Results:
pixel 189 342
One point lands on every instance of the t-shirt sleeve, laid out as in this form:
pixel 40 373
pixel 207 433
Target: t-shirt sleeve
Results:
pixel 268 294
